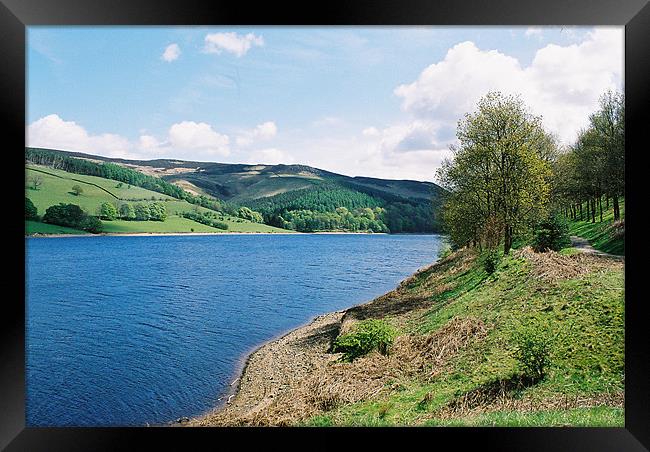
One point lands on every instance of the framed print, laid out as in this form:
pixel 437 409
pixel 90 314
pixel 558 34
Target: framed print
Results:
pixel 351 219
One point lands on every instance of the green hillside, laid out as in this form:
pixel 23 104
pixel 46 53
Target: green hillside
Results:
pixel 289 196
pixel 607 236
pixel 57 187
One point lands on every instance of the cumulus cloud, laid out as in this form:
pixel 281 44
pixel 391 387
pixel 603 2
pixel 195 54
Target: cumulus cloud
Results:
pixel 264 131
pixel 53 132
pixel 231 42
pixel 270 156
pixel 185 140
pixel 171 53
pixel 370 132
pixel 562 84
pixel 198 139
pixel 533 31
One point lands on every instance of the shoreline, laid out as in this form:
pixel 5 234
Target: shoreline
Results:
pixel 258 383
pixel 162 234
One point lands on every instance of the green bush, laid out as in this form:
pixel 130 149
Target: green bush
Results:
pixel 552 233
pixel 491 261
pixel 366 336
pixel 31 213
pixel 532 346
pixel 72 216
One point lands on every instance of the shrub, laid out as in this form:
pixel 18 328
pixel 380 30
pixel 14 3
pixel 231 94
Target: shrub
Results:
pixel 552 233
pixel 92 224
pixel 532 350
pixel 367 335
pixel 31 213
pixel 107 211
pixel 127 212
pixel 491 261
pixel 142 212
pixel 69 215
pixel 77 190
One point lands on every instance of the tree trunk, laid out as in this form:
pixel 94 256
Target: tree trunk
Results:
pixel 600 205
pixel 507 240
pixel 606 202
pixel 617 213
pixel 581 216
pixel 593 210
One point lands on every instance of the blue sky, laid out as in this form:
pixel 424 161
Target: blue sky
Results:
pixel 373 101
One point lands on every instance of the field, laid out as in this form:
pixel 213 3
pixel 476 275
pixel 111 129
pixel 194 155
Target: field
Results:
pixel 35 227
pixel 57 186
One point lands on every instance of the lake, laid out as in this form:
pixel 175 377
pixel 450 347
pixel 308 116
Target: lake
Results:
pixel 137 330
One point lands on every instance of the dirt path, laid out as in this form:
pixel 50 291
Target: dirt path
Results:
pixel 584 246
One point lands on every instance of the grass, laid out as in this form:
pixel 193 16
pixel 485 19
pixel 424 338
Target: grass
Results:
pixel 57 188
pixel 583 317
pixel 35 227
pixel 600 235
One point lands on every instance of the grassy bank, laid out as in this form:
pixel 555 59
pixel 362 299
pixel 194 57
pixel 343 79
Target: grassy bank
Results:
pixel 604 236
pixel 454 357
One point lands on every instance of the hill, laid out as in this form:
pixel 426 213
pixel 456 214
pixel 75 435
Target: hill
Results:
pixel 297 196
pixel 56 187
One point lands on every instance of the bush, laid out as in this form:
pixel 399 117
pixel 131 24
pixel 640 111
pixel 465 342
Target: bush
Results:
pixel 532 350
pixel 31 213
pixel 107 211
pixel 491 262
pixel 92 224
pixel 367 335
pixel 72 216
pixel 552 233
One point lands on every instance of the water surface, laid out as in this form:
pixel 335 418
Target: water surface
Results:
pixel 137 330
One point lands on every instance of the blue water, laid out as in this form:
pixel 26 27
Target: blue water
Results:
pixel 136 330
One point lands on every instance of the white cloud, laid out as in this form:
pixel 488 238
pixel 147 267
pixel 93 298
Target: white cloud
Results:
pixel 270 156
pixel 171 53
pixel 370 132
pixel 197 139
pixel 53 132
pixel 534 31
pixel 563 83
pixel 231 42
pixel 185 140
pixel 264 131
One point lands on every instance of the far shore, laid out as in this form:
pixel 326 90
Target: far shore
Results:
pixel 159 234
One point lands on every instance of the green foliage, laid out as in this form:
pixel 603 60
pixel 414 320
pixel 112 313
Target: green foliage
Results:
pixel 92 224
pixel 77 190
pixel 157 211
pixel 491 261
pixel 329 207
pixel 367 335
pixel 248 214
pixel 107 211
pixel 142 212
pixel 551 233
pixel 206 218
pixel 532 346
pixel 31 213
pixel 499 174
pixel 127 212
pixel 71 215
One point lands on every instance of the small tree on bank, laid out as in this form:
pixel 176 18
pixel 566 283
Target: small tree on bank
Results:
pixel 77 190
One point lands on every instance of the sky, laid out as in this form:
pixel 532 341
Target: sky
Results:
pixel 361 101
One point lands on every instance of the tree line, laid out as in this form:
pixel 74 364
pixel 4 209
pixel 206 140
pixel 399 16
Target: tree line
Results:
pixel 508 176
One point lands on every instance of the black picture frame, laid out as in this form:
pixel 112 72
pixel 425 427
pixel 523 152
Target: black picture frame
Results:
pixel 16 15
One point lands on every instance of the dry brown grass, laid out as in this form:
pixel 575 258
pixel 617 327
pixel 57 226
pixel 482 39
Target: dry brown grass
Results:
pixel 552 266
pixel 336 383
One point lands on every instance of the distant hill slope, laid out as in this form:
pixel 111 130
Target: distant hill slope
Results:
pixel 276 190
